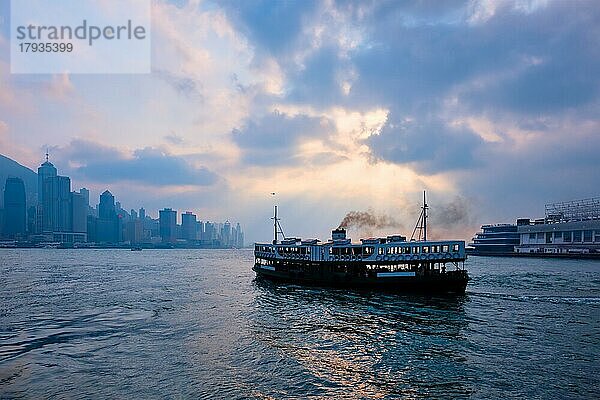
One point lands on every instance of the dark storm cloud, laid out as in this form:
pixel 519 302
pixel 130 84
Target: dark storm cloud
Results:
pixel 150 166
pixel 319 75
pixel 273 139
pixel 272 26
pixel 429 146
pixel 537 62
pixel 541 60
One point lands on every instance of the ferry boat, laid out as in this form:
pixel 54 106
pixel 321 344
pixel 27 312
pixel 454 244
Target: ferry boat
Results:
pixel 389 263
pixel 495 240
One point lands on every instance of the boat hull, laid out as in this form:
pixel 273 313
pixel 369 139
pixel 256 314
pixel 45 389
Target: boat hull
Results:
pixel 433 282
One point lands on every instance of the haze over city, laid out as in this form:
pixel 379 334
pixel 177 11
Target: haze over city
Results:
pixel 490 106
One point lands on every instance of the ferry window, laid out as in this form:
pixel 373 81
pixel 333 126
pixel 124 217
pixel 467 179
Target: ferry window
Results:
pixel 532 236
pixel 455 247
pixel 577 236
pixel 597 238
pixel 445 248
pixel 416 250
pixel 540 235
pixel 256 248
pixel 587 236
pixel 406 250
pixel 388 250
pixel 566 236
pixel 436 249
pixel 557 235
pixel 380 251
pixel 425 249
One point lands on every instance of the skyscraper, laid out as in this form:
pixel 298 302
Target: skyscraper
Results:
pixel 61 201
pixel 108 227
pixel 106 208
pixel 45 216
pixel 86 194
pixel 15 215
pixel 168 225
pixel 79 211
pixel 54 200
pixel 188 226
pixel 226 234
pixel 209 232
pixel 239 239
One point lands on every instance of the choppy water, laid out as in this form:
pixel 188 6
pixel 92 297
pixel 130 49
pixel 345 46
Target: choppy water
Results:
pixel 195 324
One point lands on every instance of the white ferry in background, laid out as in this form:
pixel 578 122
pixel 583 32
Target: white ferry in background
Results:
pixel 390 263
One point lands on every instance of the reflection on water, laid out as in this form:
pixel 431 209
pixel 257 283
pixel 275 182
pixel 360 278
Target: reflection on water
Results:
pixel 366 343
pixel 197 324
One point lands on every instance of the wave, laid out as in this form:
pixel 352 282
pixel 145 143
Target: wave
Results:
pixel 586 300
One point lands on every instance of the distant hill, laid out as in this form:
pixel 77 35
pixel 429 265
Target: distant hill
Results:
pixel 11 168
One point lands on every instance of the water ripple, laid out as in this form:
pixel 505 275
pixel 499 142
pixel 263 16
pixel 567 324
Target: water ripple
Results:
pixel 197 324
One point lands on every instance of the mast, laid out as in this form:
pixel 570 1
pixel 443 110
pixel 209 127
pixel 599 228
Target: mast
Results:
pixel 275 220
pixel 276 226
pixel 421 224
pixel 424 217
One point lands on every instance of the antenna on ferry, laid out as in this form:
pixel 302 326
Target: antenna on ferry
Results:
pixel 421 224
pixel 424 217
pixel 276 226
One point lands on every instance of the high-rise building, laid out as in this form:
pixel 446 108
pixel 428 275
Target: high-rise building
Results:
pixel 15 217
pixel 86 195
pixel 142 213
pixel 106 208
pixel 188 226
pixel 134 231
pixel 168 225
pixel 200 230
pixel 239 237
pixel 226 234
pixel 45 216
pixel 54 200
pixel 108 226
pixel 79 211
pixel 210 233
pixel 61 201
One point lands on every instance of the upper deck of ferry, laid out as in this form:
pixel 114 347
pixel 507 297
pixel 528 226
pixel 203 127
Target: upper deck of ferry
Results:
pixel 393 248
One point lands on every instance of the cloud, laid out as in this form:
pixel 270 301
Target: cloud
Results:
pixel 273 26
pixel 495 101
pixel 147 166
pixel 430 146
pixel 182 84
pixel 274 138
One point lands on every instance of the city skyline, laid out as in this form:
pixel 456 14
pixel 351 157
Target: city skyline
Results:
pixel 492 107
pixel 58 214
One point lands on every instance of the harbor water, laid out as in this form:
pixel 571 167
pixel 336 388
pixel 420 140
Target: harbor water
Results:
pixel 196 324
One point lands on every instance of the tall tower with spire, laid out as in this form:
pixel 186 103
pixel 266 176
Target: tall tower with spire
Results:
pixel 54 200
pixel 45 211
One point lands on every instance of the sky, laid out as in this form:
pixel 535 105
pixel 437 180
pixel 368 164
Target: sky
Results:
pixel 492 107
